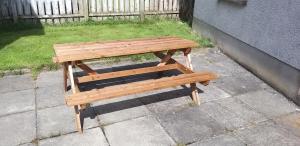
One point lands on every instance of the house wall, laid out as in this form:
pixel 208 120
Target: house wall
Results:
pixel 263 35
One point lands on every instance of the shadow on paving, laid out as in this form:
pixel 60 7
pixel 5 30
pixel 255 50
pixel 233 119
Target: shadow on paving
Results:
pixel 92 112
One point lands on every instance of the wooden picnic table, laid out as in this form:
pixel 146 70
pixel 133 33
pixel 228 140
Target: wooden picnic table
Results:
pixel 72 55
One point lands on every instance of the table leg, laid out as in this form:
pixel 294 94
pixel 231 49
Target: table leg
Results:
pixel 165 60
pixel 77 108
pixel 188 61
pixel 65 74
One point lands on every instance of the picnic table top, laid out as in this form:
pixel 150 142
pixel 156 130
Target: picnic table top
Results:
pixel 93 50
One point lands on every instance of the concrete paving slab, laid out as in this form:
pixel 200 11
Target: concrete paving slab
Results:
pixel 215 56
pixel 203 65
pixel 221 140
pixel 100 84
pixel 211 93
pixel 52 78
pixel 167 100
pixel 267 133
pixel 60 120
pixel 50 96
pixel 17 101
pixel 115 100
pixel 236 85
pixel 90 137
pixel 223 116
pixel 242 110
pixel 18 128
pixel 291 122
pixel 120 110
pixel 28 144
pixel 137 132
pixel 267 103
pixel 219 63
pixel 231 67
pixel 190 125
pixel 171 105
pixel 16 82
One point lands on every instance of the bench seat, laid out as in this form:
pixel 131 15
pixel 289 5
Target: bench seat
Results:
pixel 137 87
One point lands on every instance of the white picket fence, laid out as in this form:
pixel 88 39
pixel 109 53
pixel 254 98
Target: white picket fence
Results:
pixel 58 11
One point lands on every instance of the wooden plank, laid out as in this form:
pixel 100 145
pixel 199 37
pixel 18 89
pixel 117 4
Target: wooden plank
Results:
pixel 127 8
pixel 20 8
pixel 137 5
pixel 142 9
pixel 103 44
pixel 110 5
pixel 93 8
pixel 62 9
pixel 34 10
pixel 170 7
pixel 122 9
pixel 75 9
pixel 131 10
pixel 65 75
pixel 134 40
pixel 5 9
pixel 166 2
pixel 75 90
pixel 188 60
pixel 52 16
pixel 183 69
pixel 111 14
pixel 175 3
pixel 147 6
pixel 180 67
pixel 92 54
pixel 163 13
pixel 33 5
pixel 161 5
pixel 14 11
pixel 85 68
pixel 137 87
pixel 152 5
pixel 166 58
pixel 69 9
pixel 55 10
pixel 86 9
pixel 27 9
pixel 156 5
pixel 99 9
pixel 105 7
pixel 116 6
pixel 121 47
pixel 90 51
pixel 48 9
pixel 125 73
pixel 99 6
pixel 41 9
pixel 71 77
pixel 78 119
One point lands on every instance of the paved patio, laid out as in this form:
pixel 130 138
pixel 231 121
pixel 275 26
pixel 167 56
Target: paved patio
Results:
pixel 237 109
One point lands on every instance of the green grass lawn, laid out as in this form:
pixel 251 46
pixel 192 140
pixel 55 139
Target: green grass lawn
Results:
pixel 28 46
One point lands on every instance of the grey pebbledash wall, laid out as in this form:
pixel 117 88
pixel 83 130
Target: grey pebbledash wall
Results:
pixel 263 35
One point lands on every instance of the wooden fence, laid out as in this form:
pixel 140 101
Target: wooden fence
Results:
pixel 59 11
